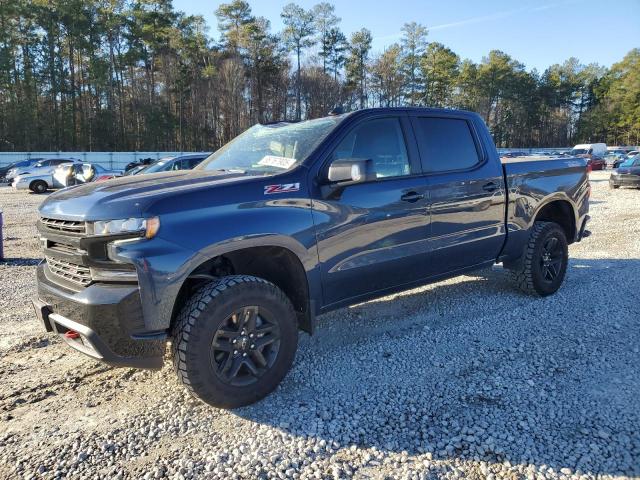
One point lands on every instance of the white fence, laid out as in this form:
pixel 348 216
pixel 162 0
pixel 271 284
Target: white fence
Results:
pixel 111 160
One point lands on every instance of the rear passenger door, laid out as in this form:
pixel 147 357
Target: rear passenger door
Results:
pixel 466 192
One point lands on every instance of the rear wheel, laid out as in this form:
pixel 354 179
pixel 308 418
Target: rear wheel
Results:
pixel 235 340
pixel 542 267
pixel 39 186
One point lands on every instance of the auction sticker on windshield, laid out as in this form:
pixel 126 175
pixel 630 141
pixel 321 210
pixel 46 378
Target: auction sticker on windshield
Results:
pixel 278 162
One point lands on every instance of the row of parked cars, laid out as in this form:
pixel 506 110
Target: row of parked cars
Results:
pixel 42 174
pixel 616 156
pixel 598 155
pixel 626 173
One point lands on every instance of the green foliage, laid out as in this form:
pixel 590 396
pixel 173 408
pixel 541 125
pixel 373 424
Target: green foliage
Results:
pixel 139 75
pixel 357 64
pixel 326 21
pixel 298 34
pixel 234 22
pixel 621 100
pixel 414 42
pixel 440 68
pixel 388 80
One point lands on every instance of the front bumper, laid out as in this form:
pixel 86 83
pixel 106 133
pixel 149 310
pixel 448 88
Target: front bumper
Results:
pixel 103 321
pixel 20 185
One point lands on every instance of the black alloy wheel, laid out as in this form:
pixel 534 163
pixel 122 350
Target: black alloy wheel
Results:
pixel 543 265
pixel 234 340
pixel 551 259
pixel 245 346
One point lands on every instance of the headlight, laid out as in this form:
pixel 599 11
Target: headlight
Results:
pixel 100 275
pixel 145 226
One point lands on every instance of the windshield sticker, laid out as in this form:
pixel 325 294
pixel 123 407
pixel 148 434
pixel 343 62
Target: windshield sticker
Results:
pixel 278 162
pixel 282 188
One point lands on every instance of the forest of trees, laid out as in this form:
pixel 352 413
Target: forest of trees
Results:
pixel 116 75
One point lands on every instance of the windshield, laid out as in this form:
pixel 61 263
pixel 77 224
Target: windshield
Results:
pixel 579 151
pixel 271 149
pixel 158 166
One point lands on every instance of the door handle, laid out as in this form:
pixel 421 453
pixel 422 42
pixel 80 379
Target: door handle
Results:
pixel 490 187
pixel 411 197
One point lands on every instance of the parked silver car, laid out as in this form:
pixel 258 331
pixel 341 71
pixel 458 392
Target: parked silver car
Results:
pixel 42 167
pixel 63 176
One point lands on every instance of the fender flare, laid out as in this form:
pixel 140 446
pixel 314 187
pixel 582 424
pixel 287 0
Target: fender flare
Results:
pixel 554 197
pixel 306 257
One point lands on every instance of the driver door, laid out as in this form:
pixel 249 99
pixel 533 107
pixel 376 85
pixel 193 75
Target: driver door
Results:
pixel 372 236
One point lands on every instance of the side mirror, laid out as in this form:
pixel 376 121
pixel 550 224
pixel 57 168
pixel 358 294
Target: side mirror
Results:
pixel 347 171
pixel 351 170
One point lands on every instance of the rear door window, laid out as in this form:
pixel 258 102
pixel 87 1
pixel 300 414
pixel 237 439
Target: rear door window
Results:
pixel 445 144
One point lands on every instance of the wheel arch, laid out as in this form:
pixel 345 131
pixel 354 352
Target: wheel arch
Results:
pixel 561 211
pixel 275 263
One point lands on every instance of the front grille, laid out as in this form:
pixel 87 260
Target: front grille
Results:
pixel 64 248
pixel 71 272
pixel 70 226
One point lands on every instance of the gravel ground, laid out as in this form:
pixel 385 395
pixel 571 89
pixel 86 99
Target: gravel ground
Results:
pixel 466 378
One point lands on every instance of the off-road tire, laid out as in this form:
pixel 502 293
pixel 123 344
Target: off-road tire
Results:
pixel 200 318
pixel 527 272
pixel 39 186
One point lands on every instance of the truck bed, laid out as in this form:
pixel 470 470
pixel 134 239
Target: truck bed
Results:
pixel 532 182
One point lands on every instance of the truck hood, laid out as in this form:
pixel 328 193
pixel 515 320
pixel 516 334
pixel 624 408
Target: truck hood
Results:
pixel 130 196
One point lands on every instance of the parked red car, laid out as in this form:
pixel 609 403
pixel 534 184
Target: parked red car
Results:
pixel 596 163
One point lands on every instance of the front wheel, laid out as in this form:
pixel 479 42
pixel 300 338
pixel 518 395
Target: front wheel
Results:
pixel 39 186
pixel 235 340
pixel 543 265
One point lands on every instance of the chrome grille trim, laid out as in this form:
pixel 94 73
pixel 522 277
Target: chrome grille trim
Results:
pixel 71 226
pixel 71 272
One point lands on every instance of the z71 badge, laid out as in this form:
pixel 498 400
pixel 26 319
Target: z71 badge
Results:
pixel 282 188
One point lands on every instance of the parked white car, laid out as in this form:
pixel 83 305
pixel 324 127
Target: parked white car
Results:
pixel 62 176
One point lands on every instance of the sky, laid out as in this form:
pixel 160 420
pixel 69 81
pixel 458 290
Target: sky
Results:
pixel 536 33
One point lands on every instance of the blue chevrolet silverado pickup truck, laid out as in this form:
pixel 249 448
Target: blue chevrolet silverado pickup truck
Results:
pixel 228 262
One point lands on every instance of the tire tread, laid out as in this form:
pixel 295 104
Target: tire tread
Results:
pixel 184 330
pixel 522 274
